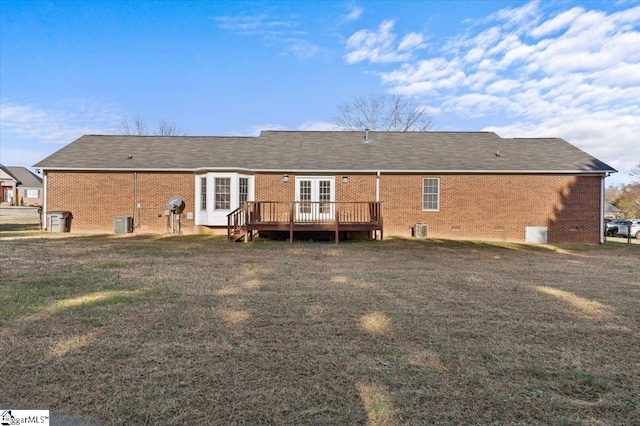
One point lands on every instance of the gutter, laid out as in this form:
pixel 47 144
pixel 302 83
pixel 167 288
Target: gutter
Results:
pixel 354 171
pixel 135 199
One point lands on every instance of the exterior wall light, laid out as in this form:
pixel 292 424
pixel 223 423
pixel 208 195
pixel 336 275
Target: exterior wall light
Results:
pixel 345 179
pixel 285 178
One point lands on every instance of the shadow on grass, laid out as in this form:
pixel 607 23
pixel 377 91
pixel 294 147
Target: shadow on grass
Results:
pixel 19 227
pixel 468 244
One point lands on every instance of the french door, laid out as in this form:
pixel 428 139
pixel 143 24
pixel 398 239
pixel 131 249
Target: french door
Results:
pixel 314 199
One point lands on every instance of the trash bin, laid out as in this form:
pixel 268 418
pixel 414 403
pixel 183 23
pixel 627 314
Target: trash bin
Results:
pixel 59 221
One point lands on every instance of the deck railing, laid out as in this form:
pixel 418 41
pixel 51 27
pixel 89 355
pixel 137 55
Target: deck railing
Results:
pixel 279 213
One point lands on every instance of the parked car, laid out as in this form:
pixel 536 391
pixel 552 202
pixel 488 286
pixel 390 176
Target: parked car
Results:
pixel 612 227
pixel 631 226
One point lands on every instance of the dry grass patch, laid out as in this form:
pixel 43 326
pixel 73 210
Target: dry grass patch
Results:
pixel 148 330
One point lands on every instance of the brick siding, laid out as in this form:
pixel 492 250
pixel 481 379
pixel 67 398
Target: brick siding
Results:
pixel 271 187
pixel 484 207
pixel 94 199
pixel 496 207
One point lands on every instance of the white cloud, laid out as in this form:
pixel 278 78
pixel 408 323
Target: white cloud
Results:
pixel 412 41
pixel 281 31
pixel 598 133
pixel 318 126
pixel 354 13
pixel 300 48
pixel 59 124
pixel 503 86
pixel 254 24
pixel 380 46
pixel 572 73
pixel 306 126
pixel 520 17
pixel 556 24
pixel 256 129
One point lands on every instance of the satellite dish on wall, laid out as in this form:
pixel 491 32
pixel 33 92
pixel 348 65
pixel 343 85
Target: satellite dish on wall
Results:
pixel 175 204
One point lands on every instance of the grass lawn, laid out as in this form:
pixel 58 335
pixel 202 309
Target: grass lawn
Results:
pixel 146 330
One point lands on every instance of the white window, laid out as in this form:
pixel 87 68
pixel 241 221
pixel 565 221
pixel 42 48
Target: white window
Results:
pixel 243 190
pixel 32 193
pixel 431 194
pixel 203 193
pixel 223 194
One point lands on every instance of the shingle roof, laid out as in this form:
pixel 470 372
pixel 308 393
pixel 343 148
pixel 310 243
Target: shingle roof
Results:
pixel 23 176
pixel 326 151
pixel 608 207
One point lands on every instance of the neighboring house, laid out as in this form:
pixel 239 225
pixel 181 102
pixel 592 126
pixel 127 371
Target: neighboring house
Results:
pixel 459 185
pixel 22 181
pixel 611 211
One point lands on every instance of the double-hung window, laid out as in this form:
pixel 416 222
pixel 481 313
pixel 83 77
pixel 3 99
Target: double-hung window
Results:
pixel 203 193
pixel 223 193
pixel 431 194
pixel 243 190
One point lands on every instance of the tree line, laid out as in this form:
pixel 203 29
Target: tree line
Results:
pixel 626 197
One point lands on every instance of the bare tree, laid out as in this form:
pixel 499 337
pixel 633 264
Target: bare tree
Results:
pixel 384 112
pixel 169 128
pixel 635 172
pixel 140 128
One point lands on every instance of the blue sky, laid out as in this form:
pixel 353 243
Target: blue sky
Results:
pixel 567 69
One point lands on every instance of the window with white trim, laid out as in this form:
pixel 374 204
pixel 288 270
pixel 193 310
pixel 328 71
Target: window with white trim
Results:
pixel 243 190
pixel 431 194
pixel 223 193
pixel 32 193
pixel 203 193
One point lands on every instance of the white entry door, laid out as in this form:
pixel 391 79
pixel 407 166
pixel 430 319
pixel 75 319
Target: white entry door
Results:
pixel 314 197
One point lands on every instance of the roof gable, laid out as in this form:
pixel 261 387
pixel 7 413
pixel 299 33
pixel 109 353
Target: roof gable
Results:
pixel 23 176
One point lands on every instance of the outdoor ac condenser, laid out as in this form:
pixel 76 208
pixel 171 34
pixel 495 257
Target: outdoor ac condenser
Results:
pixel 122 224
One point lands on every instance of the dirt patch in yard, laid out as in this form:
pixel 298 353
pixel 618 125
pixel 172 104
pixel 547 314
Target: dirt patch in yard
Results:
pixel 172 330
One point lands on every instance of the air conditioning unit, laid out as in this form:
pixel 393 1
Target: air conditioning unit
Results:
pixel 421 230
pixel 122 224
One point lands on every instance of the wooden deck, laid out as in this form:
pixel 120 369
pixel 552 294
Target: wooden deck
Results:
pixel 299 216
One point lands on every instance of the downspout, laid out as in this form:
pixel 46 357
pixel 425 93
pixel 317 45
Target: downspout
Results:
pixel 380 213
pixel 45 182
pixel 602 239
pixel 135 199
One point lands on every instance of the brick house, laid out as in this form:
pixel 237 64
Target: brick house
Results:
pixel 458 185
pixel 20 181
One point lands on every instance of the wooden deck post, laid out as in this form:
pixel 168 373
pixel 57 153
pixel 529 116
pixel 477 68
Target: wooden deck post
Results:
pixel 246 222
pixel 291 209
pixel 381 224
pixel 337 214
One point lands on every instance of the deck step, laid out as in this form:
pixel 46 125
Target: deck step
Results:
pixel 238 235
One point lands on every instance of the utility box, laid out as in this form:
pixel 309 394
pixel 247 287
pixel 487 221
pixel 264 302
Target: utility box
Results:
pixel 536 234
pixel 59 221
pixel 123 224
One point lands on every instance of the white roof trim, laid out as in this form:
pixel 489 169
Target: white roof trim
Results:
pixel 354 171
